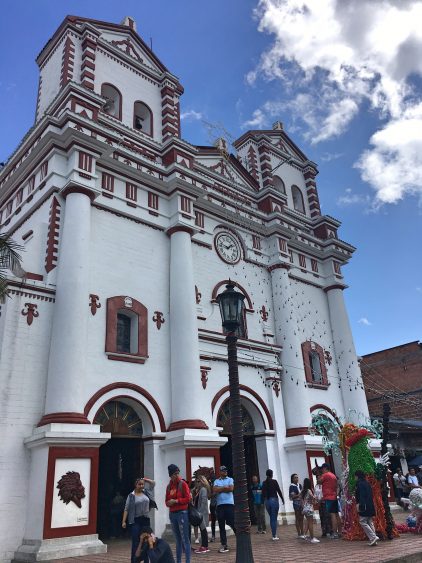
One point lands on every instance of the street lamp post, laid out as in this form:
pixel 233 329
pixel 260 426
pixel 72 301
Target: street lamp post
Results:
pixel 231 309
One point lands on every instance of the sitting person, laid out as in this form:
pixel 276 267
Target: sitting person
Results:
pixel 152 549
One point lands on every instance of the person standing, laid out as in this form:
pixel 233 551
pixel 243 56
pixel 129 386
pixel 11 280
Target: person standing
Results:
pixel 412 479
pixel 329 494
pixel 400 484
pixel 203 492
pixel 419 475
pixel 294 495
pixel 308 501
pixel 366 507
pixel 223 489
pixel 177 499
pixel 136 511
pixel 270 490
pixel 258 504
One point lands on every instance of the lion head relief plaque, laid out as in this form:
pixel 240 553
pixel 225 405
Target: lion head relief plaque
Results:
pixel 71 488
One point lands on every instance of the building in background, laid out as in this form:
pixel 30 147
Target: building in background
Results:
pixel 113 360
pixel 395 376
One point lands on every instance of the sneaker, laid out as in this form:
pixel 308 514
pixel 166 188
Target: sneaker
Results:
pixel 302 537
pixel 275 538
pixel 202 550
pixel 335 536
pixel 315 540
pixel 212 540
pixel 374 541
pixel 197 540
pixel 264 532
pixel 223 549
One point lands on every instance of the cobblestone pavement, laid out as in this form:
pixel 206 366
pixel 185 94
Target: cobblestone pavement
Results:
pixel 288 549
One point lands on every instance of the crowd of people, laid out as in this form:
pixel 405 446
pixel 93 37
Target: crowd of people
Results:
pixel 209 500
pixel 403 484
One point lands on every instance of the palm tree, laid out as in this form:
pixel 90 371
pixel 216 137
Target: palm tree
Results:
pixel 10 259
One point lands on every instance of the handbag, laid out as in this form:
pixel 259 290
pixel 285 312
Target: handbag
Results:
pixel 195 517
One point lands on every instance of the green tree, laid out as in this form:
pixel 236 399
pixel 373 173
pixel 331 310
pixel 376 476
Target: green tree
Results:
pixel 10 259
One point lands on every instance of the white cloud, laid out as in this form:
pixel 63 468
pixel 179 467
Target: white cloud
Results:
pixel 329 156
pixel 364 321
pixel 191 115
pixel 350 198
pixel 336 54
pixel 258 120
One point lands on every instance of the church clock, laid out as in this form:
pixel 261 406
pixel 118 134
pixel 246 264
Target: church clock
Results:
pixel 227 248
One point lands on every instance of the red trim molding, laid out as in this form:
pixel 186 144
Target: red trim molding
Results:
pixel 173 230
pixel 63 418
pixel 324 407
pixel 188 423
pixel 270 422
pixel 334 286
pixel 282 266
pixel 80 453
pixel 309 348
pixel 78 190
pixel 242 290
pixel 298 431
pixel 201 452
pixel 122 385
pixel 114 305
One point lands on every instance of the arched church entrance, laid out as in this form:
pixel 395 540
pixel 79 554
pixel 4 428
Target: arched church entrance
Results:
pixel 121 462
pixel 251 458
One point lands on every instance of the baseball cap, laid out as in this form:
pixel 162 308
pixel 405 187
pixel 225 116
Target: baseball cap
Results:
pixel 223 468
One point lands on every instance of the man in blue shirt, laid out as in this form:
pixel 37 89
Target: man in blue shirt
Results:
pixel 223 489
pixel 258 504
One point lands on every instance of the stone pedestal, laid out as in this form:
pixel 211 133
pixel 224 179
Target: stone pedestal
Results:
pixel 59 524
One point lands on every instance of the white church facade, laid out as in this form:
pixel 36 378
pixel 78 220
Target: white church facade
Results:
pixel 113 361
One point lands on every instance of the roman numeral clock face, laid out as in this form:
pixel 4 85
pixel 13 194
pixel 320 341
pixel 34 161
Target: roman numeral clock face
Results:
pixel 227 248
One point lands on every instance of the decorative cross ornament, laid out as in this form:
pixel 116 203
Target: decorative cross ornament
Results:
pixel 204 376
pixel 158 319
pixel 30 313
pixel 198 295
pixel 328 357
pixel 94 303
pixel 264 313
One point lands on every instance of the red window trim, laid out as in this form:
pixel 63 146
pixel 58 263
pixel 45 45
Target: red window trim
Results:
pixel 314 265
pixel 114 305
pixel 43 170
pixel 199 219
pixel 31 183
pixel 307 348
pixel 282 244
pixel 185 204
pixel 107 182
pixel 119 116
pixel 131 191
pixel 152 200
pixel 256 242
pixel 85 161
pixel 151 115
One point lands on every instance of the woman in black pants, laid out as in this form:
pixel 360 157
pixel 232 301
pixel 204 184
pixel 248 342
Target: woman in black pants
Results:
pixel 136 512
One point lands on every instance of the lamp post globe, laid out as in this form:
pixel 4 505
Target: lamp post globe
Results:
pixel 231 308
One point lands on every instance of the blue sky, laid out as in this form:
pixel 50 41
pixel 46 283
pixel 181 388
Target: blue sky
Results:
pixel 344 78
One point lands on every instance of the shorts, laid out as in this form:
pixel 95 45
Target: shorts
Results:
pixel 332 506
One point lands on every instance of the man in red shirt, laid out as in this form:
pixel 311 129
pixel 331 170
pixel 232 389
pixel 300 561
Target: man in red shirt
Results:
pixel 177 499
pixel 328 481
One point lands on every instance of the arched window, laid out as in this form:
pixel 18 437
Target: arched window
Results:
pixel 113 104
pixel 126 330
pixel 298 199
pixel 314 364
pixel 142 118
pixel 279 184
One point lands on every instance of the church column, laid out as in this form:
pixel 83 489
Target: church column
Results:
pixel 294 395
pixel 68 351
pixel 354 397
pixel 187 392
